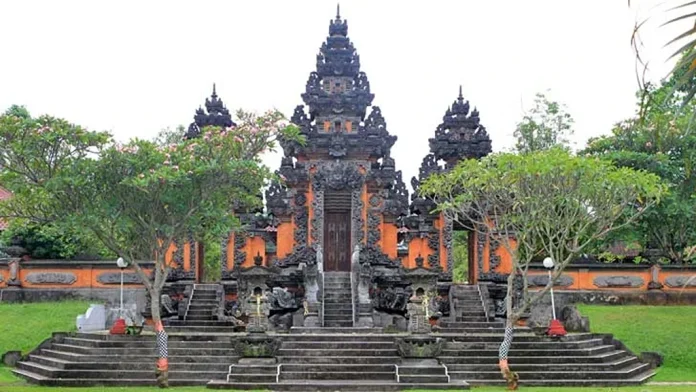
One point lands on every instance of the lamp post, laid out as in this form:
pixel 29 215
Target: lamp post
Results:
pixel 555 328
pixel 122 264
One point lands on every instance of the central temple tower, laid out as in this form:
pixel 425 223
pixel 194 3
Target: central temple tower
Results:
pixel 343 185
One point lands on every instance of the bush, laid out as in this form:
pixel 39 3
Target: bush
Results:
pixel 53 242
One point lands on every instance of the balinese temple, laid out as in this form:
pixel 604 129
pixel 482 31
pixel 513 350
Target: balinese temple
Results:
pixel 341 218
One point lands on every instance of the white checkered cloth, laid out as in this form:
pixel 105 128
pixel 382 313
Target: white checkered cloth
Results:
pixel 162 344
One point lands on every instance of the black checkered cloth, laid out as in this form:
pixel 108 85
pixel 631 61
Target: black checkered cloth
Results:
pixel 162 344
pixel 507 342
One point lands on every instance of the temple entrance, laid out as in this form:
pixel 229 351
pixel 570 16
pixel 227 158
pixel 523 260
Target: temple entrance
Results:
pixel 337 232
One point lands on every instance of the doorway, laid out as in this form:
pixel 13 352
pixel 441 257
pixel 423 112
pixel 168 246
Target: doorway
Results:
pixel 337 231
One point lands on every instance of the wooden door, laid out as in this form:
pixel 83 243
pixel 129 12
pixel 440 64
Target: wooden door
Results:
pixel 337 241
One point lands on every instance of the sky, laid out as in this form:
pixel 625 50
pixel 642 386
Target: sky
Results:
pixel 136 67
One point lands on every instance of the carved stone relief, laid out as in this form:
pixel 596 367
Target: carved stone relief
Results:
pixel 448 242
pixel 357 221
pixel 65 278
pixel 115 278
pixel 681 281
pixel 618 281
pixel 543 280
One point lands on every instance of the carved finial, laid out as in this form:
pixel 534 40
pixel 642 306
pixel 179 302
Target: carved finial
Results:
pixel 461 97
pixel 214 92
pixel 258 259
pixel 338 10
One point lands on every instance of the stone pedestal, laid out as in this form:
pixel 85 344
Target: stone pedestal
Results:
pixel 13 280
pixel 365 316
pixel 258 318
pixel 311 315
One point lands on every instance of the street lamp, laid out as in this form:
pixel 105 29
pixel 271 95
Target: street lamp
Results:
pixel 122 264
pixel 555 328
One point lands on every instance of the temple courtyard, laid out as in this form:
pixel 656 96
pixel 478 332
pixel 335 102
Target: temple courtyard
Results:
pixel 27 325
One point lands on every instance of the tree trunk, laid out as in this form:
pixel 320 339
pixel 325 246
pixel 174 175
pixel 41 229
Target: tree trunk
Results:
pixel 162 365
pixel 511 319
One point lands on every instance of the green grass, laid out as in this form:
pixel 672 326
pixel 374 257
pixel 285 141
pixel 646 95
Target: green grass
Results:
pixel 664 329
pixel 24 326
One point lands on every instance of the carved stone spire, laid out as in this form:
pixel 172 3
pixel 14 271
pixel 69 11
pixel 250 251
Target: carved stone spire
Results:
pixel 460 135
pixel 216 114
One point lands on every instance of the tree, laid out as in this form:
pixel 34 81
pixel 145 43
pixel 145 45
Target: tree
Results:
pixel 548 200
pixel 545 126
pixel 658 139
pixel 169 136
pixel 139 198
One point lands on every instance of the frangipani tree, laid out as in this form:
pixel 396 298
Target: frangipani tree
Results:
pixel 138 198
pixel 545 203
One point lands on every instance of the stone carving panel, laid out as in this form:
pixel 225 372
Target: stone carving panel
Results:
pixel 681 281
pixel 618 281
pixel 65 278
pixel 301 219
pixel 318 218
pixel 115 278
pixel 543 280
pixel 357 221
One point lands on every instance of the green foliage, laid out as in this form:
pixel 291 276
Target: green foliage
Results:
pixel 137 198
pixel 658 140
pixel 212 259
pixel 651 328
pixel 545 126
pixel 168 136
pixel 460 251
pixel 53 241
pixel 552 201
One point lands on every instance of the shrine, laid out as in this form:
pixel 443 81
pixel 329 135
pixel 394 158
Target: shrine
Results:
pixel 342 211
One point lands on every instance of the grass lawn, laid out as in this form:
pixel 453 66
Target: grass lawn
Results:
pixel 653 328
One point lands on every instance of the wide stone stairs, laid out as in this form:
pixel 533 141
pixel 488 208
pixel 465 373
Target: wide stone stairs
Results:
pixel 471 352
pixel 201 314
pixel 338 359
pixel 338 304
pixel 87 359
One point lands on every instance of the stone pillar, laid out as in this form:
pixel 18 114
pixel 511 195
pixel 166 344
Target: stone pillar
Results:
pixel 417 318
pixel 14 280
pixel 258 319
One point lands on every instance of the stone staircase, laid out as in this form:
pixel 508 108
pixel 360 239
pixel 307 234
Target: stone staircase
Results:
pixel 345 359
pixel 338 305
pixel 201 315
pixel 584 359
pixel 337 358
pixel 86 359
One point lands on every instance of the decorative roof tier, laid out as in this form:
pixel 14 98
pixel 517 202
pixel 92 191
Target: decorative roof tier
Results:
pixel 337 96
pixel 460 136
pixel 216 114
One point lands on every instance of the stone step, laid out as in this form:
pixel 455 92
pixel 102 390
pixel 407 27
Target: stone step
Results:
pixel 520 359
pixel 519 337
pixel 497 331
pixel 339 360
pixel 253 369
pixel 628 372
pixel 470 311
pixel 335 385
pixel 141 351
pixel 318 352
pixel 344 375
pixel 204 295
pixel 533 352
pixel 473 318
pixel 80 382
pixel 424 378
pixel 52 372
pixel 339 345
pixel 347 307
pixel 338 317
pixel 344 367
pixel 348 330
pixel 542 367
pixel 572 382
pixel 471 324
pixel 338 324
pixel 99 357
pixel 147 337
pixel 202 306
pixel 202 329
pixel 251 378
pixel 129 365
pixel 582 344
pixel 97 343
pixel 201 323
pixel 333 337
